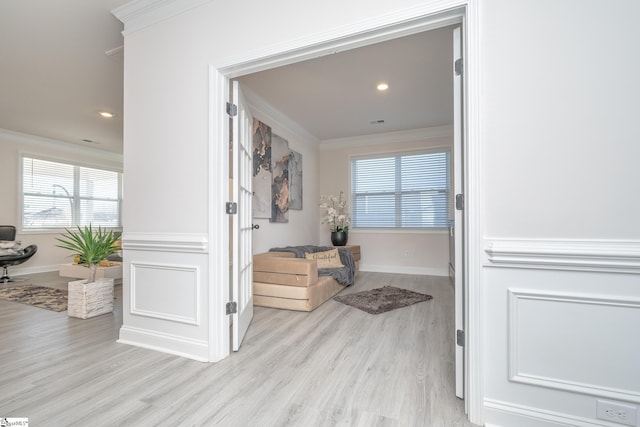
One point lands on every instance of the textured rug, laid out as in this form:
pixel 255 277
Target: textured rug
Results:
pixel 381 300
pixel 37 296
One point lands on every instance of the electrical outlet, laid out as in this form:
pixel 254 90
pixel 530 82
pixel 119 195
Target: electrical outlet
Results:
pixel 617 412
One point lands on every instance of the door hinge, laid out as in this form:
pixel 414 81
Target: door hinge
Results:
pixel 458 66
pixel 232 307
pixel 232 208
pixel 460 338
pixel 459 202
pixel 232 109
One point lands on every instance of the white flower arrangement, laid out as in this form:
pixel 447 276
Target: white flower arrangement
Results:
pixel 337 216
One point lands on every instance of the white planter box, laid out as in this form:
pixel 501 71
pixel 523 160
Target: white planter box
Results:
pixel 87 300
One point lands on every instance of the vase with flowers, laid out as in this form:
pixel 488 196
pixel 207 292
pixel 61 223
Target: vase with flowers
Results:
pixel 336 217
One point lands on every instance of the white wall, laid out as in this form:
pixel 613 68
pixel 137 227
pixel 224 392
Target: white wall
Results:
pixel 558 179
pixel 384 250
pixel 12 145
pixel 558 118
pixel 561 288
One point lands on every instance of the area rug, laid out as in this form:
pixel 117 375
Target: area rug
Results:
pixel 381 300
pixel 37 296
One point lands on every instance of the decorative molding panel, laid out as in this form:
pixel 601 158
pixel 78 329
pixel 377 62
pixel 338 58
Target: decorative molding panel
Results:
pixel 580 255
pixel 195 243
pixel 166 292
pixel 561 341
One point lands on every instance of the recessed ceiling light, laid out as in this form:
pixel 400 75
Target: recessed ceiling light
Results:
pixel 107 114
pixel 382 86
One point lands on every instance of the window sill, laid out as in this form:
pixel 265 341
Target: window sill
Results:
pixel 398 231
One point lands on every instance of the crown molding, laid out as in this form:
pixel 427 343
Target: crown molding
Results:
pixel 388 138
pixel 61 146
pixel 139 14
pixel 268 112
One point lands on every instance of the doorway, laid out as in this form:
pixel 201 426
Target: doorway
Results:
pixel 220 76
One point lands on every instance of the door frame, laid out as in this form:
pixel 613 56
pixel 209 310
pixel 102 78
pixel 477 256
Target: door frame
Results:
pixel 429 15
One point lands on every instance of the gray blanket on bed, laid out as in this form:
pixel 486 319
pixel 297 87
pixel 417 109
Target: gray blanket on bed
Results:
pixel 345 275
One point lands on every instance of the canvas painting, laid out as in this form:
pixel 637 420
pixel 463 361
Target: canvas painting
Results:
pixel 295 180
pixel 261 170
pixel 280 179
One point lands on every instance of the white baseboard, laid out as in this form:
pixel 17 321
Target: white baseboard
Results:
pixel 22 271
pixel 165 343
pixel 498 413
pixel 423 271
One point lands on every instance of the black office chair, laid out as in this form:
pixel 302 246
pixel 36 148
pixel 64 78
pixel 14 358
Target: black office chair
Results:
pixel 8 232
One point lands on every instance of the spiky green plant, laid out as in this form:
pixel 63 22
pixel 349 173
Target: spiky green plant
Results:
pixel 92 247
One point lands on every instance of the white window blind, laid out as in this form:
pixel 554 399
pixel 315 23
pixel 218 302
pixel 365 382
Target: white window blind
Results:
pixel 56 195
pixel 401 191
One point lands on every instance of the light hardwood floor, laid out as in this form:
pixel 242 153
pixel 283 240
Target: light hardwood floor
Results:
pixel 335 366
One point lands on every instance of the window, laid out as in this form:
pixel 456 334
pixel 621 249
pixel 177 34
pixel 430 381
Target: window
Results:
pixel 401 191
pixel 56 195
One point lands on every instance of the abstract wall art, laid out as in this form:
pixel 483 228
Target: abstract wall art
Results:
pixel 295 180
pixel 261 170
pixel 280 179
pixel 277 175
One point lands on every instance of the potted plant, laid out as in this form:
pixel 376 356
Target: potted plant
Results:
pixel 337 218
pixel 90 297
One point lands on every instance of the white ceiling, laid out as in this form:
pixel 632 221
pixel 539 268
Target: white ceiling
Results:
pixel 55 75
pixel 56 78
pixel 335 96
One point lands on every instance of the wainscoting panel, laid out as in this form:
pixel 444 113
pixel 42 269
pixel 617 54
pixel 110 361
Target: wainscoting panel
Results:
pixel 560 330
pixel 165 293
pixel 566 347
pixel 169 292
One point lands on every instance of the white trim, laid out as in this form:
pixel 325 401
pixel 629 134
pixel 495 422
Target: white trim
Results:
pixel 219 279
pixel 428 15
pixel 166 242
pixel 195 285
pixel 398 269
pixel 72 149
pixel 509 414
pixel 473 185
pixel 411 231
pixel 387 138
pixel 165 343
pixel 22 271
pixel 57 158
pixel 139 14
pixel 614 256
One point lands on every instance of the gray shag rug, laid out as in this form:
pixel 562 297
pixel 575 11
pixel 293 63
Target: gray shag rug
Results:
pixel 381 300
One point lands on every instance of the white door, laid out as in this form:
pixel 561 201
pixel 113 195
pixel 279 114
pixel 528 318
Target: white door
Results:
pixel 458 227
pixel 241 247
